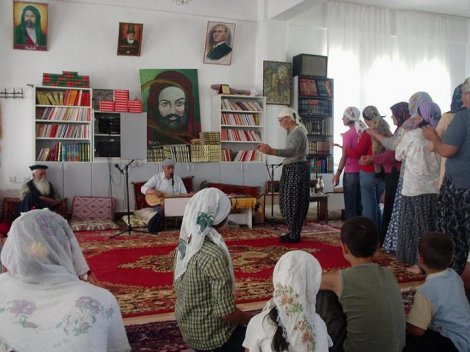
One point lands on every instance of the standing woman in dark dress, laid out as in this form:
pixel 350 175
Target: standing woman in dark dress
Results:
pixel 295 179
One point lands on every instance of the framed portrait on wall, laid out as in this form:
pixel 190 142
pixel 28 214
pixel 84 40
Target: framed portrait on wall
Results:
pixel 130 38
pixel 171 100
pixel 29 25
pixel 219 43
pixel 277 82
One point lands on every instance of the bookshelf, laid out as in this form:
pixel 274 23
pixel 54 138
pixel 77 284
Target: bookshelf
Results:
pixel 313 99
pixel 241 120
pixel 107 134
pixel 62 124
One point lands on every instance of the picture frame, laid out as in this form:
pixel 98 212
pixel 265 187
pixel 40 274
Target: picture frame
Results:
pixel 277 82
pixel 225 89
pixel 130 39
pixel 28 14
pixel 219 43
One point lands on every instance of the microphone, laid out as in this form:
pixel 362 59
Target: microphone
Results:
pixel 117 167
pixel 172 180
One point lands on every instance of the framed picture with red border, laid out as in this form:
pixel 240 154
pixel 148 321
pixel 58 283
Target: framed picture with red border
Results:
pixel 30 25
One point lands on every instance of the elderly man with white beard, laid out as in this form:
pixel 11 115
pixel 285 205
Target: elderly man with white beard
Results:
pixel 38 193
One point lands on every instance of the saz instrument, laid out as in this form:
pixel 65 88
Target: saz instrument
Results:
pixel 153 200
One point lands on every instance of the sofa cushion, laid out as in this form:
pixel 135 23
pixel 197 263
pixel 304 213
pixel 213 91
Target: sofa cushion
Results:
pixel 93 208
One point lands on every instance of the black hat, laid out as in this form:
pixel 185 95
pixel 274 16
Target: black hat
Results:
pixel 38 166
pixel 130 28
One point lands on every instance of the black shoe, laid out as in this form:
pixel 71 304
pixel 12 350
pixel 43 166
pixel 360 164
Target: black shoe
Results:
pixel 287 239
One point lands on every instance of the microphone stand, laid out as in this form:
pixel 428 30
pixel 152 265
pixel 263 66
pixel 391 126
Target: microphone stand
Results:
pixel 271 181
pixel 125 171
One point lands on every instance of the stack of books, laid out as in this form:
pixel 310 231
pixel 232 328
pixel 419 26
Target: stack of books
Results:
pixel 66 79
pixel 121 100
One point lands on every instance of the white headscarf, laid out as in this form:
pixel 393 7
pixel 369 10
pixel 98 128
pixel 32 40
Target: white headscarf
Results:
pixel 296 279
pixel 205 209
pixel 354 114
pixel 293 115
pixel 43 304
pixel 41 248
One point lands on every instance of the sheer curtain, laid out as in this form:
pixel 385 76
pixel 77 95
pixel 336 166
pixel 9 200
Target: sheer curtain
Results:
pixel 379 57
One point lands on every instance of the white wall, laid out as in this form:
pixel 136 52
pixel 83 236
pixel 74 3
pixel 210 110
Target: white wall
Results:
pixel 83 38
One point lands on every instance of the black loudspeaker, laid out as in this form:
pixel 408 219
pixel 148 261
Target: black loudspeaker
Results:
pixel 310 65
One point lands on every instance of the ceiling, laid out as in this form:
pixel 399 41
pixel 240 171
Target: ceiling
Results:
pixel 459 8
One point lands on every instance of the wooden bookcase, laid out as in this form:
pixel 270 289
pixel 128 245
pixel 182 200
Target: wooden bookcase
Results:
pixel 241 121
pixel 313 99
pixel 63 127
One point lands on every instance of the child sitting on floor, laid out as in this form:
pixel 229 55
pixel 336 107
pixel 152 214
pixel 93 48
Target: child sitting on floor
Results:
pixel 368 295
pixel 440 317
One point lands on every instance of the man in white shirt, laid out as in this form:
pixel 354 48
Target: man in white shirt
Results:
pixel 161 185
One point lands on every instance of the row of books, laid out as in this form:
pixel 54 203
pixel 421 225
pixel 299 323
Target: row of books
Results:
pixel 228 134
pixel 205 153
pixel 209 137
pixel 315 87
pixel 178 152
pixel 65 152
pixel 322 165
pixel 241 155
pixel 69 97
pixel 320 148
pixel 318 127
pixel 65 114
pixel 62 131
pixel 241 105
pixel 240 119
pixel 315 107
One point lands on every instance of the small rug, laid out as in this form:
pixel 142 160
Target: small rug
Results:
pixel 138 268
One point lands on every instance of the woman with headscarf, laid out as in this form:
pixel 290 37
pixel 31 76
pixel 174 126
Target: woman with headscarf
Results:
pixel 44 306
pixel 390 143
pixel 441 128
pixel 294 186
pixel 386 159
pixel 204 281
pixel 370 178
pixel 418 210
pixel 288 321
pixel 454 194
pixel 351 185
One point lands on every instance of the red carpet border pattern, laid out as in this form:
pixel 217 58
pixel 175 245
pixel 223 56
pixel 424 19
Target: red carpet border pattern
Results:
pixel 138 268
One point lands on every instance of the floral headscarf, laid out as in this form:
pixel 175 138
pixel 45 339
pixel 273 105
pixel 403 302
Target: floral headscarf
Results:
pixel 205 209
pixel 41 248
pixel 296 280
pixel 416 100
pixel 354 114
pixel 430 112
pixel 401 112
pixel 457 101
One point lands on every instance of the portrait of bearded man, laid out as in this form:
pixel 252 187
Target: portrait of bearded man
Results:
pixel 172 109
pixel 30 20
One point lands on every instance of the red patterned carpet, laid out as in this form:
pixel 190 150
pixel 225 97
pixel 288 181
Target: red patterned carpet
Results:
pixel 137 269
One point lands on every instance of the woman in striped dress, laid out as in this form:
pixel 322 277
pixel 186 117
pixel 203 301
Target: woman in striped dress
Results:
pixel 294 185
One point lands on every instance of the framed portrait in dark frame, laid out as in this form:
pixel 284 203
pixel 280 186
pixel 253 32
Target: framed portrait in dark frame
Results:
pixel 130 38
pixel 277 82
pixel 219 43
pixel 30 25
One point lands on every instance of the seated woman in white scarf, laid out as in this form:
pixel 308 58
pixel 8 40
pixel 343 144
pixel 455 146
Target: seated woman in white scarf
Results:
pixel 44 306
pixel 289 322
pixel 204 280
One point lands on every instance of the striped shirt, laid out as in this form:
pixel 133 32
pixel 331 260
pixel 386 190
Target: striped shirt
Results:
pixel 203 296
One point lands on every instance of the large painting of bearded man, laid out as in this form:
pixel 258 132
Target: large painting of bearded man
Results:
pixel 171 100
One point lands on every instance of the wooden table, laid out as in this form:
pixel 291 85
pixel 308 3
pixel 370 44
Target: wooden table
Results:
pixel 322 205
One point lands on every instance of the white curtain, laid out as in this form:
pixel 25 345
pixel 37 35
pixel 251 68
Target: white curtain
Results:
pixel 379 57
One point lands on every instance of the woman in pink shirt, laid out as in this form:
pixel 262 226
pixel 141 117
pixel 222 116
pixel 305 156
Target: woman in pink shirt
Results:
pixel 350 165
